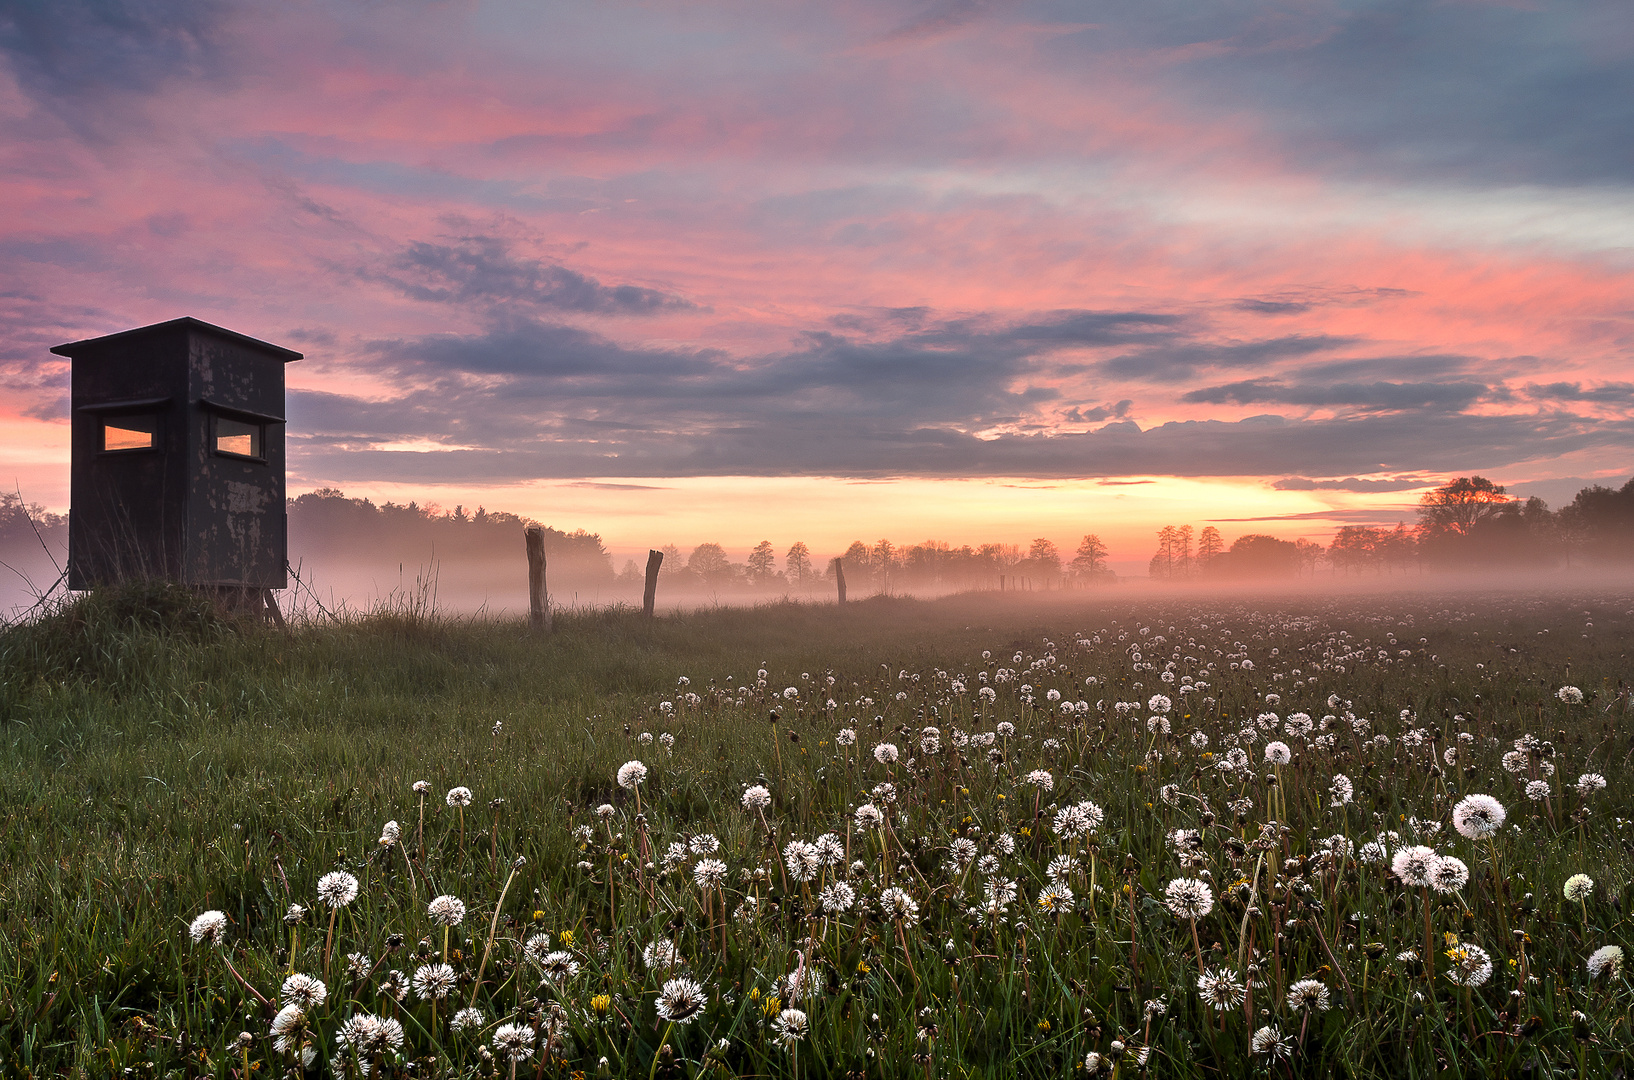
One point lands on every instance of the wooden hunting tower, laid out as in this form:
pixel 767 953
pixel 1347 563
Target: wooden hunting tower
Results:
pixel 178 458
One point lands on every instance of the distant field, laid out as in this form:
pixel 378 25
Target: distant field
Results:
pixel 162 763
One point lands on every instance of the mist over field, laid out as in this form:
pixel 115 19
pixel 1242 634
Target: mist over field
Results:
pixel 351 555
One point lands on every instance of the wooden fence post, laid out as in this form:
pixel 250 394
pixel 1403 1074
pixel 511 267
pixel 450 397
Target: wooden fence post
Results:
pixel 538 598
pixel 655 559
pixel 839 578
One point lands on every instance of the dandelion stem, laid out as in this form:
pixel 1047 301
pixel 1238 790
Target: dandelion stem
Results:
pixel 660 1050
pixel 493 928
pixel 329 941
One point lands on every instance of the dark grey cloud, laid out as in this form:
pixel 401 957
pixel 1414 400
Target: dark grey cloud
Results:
pixel 88 59
pixel 842 446
pixel 1486 93
pixel 1617 393
pixel 1300 300
pixel 1080 415
pixel 1349 483
pixel 969 372
pixel 1178 360
pixel 484 271
pixel 537 399
pixel 1374 395
pixel 1385 516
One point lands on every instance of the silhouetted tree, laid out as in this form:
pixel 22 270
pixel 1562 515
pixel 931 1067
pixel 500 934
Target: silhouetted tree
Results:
pixel 797 563
pixel 1090 561
pixel 760 563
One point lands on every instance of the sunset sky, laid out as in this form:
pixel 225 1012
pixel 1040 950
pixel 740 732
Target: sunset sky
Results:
pixel 678 272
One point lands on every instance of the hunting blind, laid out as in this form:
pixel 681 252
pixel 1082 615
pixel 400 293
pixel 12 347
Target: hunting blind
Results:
pixel 178 459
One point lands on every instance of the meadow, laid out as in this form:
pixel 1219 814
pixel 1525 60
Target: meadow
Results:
pixel 973 837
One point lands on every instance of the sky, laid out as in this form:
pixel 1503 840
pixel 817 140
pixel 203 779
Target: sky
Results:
pixel 721 271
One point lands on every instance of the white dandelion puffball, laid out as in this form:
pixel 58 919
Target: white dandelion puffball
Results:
pixel 896 904
pixel 1308 994
pixel 422 787
pixel 1478 817
pixel 1578 887
pixel 1571 695
pixel 681 1001
pixel 1040 779
pixel 284 1025
pixel 337 888
pixel 630 774
pixel 390 833
pixel 1415 866
pixel 1606 960
pixel 1189 898
pixel 756 797
pixel 1471 966
pixel 1277 753
pixel 1537 790
pixel 446 910
pixel 514 1042
pixel 460 796
pixel 1448 875
pixel 661 954
pixel 1159 703
pixel 434 981
pixel 886 753
pixel 869 816
pixel 209 928
pixel 790 1026
pixel 304 992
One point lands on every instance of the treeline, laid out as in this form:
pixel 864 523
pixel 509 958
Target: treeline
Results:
pixel 1467 523
pixel 330 528
pixel 882 567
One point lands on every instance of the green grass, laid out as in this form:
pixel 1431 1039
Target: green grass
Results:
pixel 161 761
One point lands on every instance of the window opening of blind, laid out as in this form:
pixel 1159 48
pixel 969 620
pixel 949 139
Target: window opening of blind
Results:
pixel 236 438
pixel 129 433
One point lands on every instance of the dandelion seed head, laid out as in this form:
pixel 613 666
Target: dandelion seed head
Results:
pixel 1448 874
pixel 1478 817
pixel 513 1042
pixel 459 796
pixel 630 774
pixel 1189 898
pixel 896 904
pixel 1606 960
pixel 1471 966
pixel 1219 989
pixel 559 966
pixel 1578 887
pixel 1414 866
pixel 209 928
pixel 446 910
pixel 303 991
pixel 434 981
pixel 1308 994
pixel 681 1001
pixel 661 955
pixel 790 1026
